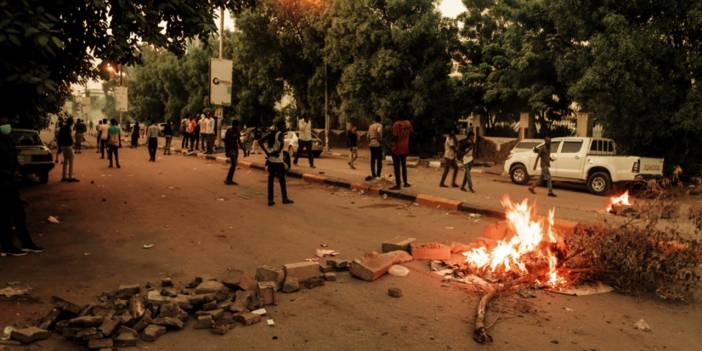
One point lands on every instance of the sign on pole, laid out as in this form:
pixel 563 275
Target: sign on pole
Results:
pixel 121 99
pixel 220 82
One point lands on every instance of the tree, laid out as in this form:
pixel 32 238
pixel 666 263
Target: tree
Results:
pixel 55 43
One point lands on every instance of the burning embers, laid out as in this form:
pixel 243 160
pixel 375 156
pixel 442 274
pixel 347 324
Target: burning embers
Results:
pixel 529 248
pixel 617 204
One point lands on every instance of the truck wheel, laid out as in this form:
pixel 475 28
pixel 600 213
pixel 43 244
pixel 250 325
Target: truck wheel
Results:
pixel 599 183
pixel 519 174
pixel 43 177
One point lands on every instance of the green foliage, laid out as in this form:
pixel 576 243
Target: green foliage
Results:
pixel 50 45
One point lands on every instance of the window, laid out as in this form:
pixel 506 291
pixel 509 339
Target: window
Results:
pixel 596 145
pixel 554 146
pixel 571 147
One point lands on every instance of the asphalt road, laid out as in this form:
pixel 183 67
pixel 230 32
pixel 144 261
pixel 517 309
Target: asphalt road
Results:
pixel 199 226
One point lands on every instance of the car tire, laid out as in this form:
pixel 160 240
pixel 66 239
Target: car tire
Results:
pixel 599 183
pixel 519 175
pixel 43 177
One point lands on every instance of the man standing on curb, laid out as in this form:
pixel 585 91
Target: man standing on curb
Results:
pixel 401 132
pixel 65 140
pixel 152 137
pixel 450 154
pixel 207 131
pixel 544 155
pixel 304 126
pixel 11 205
pixel 232 142
pixel 375 139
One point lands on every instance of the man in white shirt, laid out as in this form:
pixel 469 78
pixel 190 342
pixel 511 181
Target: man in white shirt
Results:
pixel 375 143
pixel 450 153
pixel 152 137
pixel 103 137
pixel 304 127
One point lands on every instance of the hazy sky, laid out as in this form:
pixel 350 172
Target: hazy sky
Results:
pixel 449 8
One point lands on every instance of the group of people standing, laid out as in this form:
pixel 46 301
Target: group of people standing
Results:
pixel 198 133
pixel 458 153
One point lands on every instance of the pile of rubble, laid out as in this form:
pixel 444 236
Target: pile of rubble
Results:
pixel 131 313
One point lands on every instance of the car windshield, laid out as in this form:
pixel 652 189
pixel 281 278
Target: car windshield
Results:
pixel 26 138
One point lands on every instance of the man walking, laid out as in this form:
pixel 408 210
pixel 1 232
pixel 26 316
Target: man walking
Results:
pixel 352 144
pixel 401 132
pixel 209 134
pixel 103 137
pixel 304 127
pixel 168 135
pixel 544 155
pixel 98 130
pixel 114 142
pixel 450 153
pixel 65 141
pixel 152 137
pixel 272 146
pixel 232 142
pixel 11 205
pixel 80 130
pixel 375 139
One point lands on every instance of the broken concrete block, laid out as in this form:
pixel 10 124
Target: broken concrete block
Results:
pixel 370 267
pixel 242 301
pixel 182 301
pixel 402 245
pixel 291 285
pixel 121 303
pixel 431 251
pixel 330 277
pixel 326 268
pixel 221 328
pixel 268 274
pixel 266 293
pixel 108 326
pixel 125 291
pixel 89 333
pixel 204 322
pixel 302 270
pixel 216 314
pixel 248 318
pixel 200 299
pixel 247 283
pixel 169 322
pixel 29 335
pixel 70 332
pixel 49 320
pixel 166 283
pixel 143 322
pixel 71 309
pixel 169 292
pixel 126 339
pixel 395 292
pixel 136 307
pixel 154 297
pixel 124 329
pixel 153 332
pixel 226 316
pixel 209 287
pixel 313 282
pixel 85 322
pixel 172 310
pixel 338 263
pixel 96 344
pixel 212 305
pixel 231 280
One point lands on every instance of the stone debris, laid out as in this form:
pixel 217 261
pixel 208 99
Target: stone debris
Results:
pixel 303 271
pixel 330 277
pixel 291 285
pixel 126 339
pixel 338 264
pixel 153 332
pixel 96 344
pixel 395 292
pixel 402 245
pixel 204 322
pixel 29 335
pixel 431 251
pixel 374 265
pixel 125 291
pixel 266 293
pixel 268 273
pixel 248 318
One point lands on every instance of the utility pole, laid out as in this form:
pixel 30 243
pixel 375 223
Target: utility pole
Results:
pixel 219 111
pixel 326 108
pixel 121 113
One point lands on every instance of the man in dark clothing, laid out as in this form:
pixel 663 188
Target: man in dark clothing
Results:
pixel 401 132
pixel 544 155
pixel 11 205
pixel 65 142
pixel 232 142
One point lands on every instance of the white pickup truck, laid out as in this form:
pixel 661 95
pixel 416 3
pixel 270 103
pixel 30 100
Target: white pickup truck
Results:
pixel 592 161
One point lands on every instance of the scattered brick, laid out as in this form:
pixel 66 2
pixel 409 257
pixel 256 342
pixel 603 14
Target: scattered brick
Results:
pixel 166 283
pixel 136 307
pixel 109 325
pixel 153 332
pixel 268 273
pixel 169 322
pixel 29 335
pixel 126 339
pixel 431 251
pixel 85 322
pixel 326 268
pixel 338 263
pixel 402 245
pixel 154 297
pixel 66 306
pixel 89 333
pixel 248 318
pixel 221 328
pixel 266 293
pixel 96 344
pixel 302 270
pixel 210 286
pixel 313 282
pixel 49 320
pixel 291 285
pixel 204 322
pixel 212 305
pixel 143 322
pixel 128 290
pixel 331 277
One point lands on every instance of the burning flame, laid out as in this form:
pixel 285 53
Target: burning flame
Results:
pixel 532 236
pixel 621 200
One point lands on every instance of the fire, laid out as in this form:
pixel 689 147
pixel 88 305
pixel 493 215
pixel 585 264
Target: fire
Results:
pixel 621 200
pixel 532 236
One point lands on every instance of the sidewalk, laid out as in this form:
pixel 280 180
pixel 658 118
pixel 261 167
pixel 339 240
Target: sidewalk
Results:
pixel 571 206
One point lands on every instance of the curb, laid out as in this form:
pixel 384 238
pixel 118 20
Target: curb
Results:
pixel 421 199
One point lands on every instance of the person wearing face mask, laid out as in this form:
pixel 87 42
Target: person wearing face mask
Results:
pixel 11 205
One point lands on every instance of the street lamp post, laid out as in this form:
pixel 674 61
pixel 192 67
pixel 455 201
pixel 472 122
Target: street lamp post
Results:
pixel 219 111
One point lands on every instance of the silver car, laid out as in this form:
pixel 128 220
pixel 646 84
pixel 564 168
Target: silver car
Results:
pixel 32 155
pixel 291 143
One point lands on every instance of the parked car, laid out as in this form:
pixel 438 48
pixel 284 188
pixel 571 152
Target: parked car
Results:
pixel 526 145
pixel 591 161
pixel 32 155
pixel 291 142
